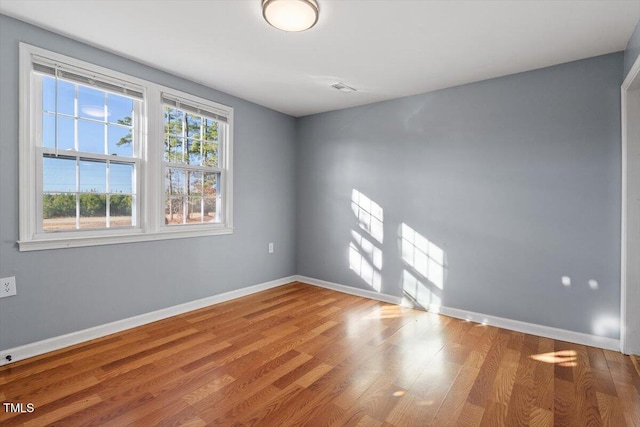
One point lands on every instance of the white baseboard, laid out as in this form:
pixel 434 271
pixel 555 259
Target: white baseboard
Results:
pixel 532 328
pixel 500 322
pixel 40 347
pixel 350 290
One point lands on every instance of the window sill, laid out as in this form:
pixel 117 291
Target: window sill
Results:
pixel 77 242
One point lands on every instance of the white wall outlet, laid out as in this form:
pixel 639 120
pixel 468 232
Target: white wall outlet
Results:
pixel 270 247
pixel 7 286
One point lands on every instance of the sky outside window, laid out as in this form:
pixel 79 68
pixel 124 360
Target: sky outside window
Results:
pixel 101 123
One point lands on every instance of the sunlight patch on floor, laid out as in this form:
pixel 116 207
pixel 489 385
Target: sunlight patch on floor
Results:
pixel 565 358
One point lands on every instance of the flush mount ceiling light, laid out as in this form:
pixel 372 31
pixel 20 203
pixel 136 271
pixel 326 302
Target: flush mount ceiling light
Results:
pixel 290 15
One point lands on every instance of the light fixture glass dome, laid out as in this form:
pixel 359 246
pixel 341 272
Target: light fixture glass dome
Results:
pixel 290 15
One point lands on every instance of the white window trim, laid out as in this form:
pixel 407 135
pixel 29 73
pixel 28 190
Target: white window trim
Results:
pixel 151 191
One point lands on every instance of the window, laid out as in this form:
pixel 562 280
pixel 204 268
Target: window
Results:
pixel 108 158
pixel 191 163
pixel 88 153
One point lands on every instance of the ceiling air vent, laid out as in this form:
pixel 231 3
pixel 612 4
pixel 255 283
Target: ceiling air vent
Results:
pixel 343 87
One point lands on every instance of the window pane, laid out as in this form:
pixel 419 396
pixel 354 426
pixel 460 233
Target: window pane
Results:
pixel 174 182
pixel 195 183
pixel 66 133
pixel 173 121
pixel 93 210
pixel 173 149
pixel 91 136
pixel 48 94
pixel 58 174
pixel 91 103
pixel 193 150
pixel 194 210
pixel 210 130
pixel 120 178
pixel 58 212
pixel 48 130
pixel 120 109
pixel 93 177
pixel 210 209
pixel 211 181
pixel 210 152
pixel 193 126
pixel 66 98
pixel 173 211
pixel 120 141
pixel 120 210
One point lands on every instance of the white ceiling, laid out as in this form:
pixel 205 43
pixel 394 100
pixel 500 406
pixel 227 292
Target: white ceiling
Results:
pixel 385 49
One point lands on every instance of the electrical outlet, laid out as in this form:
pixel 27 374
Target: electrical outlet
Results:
pixel 271 247
pixel 7 286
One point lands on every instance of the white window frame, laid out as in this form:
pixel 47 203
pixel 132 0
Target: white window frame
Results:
pixel 149 165
pixel 224 157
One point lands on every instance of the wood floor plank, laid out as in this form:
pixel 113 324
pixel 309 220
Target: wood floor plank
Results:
pixel 151 412
pixel 333 388
pixel 45 398
pixel 488 370
pixel 541 417
pixel 64 411
pixel 107 410
pixel 564 405
pixel 470 416
pixel 323 416
pixel 376 401
pixel 368 421
pixel 49 364
pixel 505 378
pixel 246 392
pixel 495 415
pixel 597 360
pixel 588 413
pixel 433 385
pixel 456 398
pixel 303 355
pixel 629 399
pixel 611 411
pixel 412 410
pixel 523 394
pixel 543 380
pixel 277 411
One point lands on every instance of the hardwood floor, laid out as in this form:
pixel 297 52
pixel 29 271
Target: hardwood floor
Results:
pixel 302 355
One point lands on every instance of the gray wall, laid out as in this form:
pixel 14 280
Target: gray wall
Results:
pixel 632 50
pixel 517 179
pixel 61 291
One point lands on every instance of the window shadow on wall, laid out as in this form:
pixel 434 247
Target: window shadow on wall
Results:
pixel 365 254
pixel 423 274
